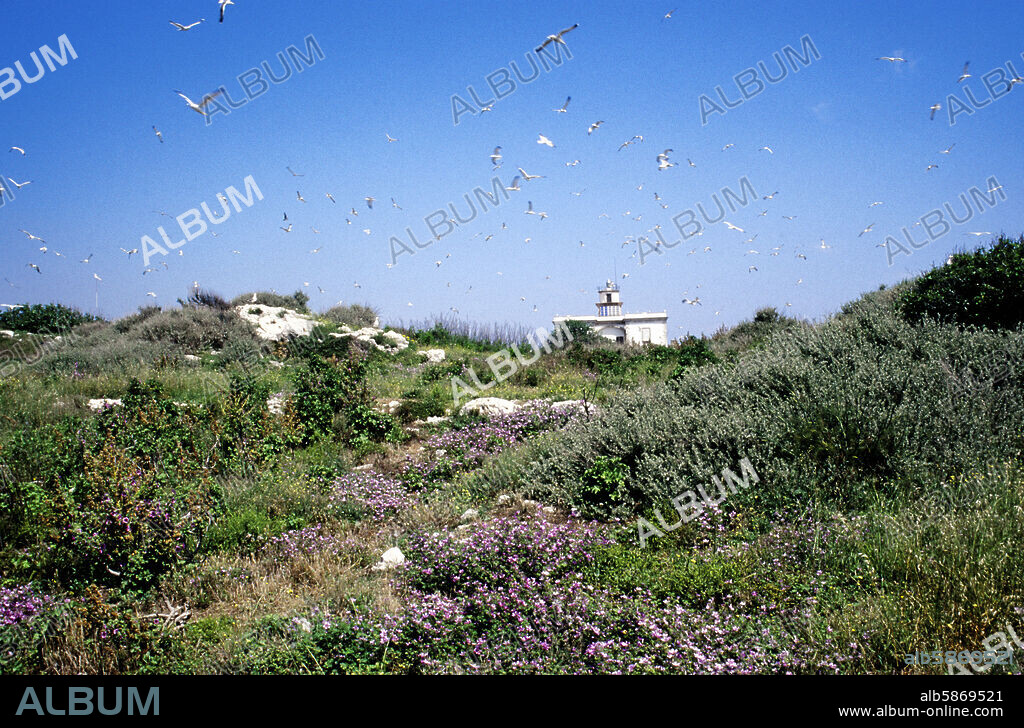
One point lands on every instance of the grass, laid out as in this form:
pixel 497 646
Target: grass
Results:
pixel 885 519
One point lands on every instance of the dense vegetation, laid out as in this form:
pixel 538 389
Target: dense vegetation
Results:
pixel 230 514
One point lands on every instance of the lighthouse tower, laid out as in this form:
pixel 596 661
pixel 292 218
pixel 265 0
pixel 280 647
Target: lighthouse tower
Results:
pixel 624 328
pixel 608 301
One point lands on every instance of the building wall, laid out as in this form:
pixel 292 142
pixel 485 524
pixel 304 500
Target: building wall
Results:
pixel 631 329
pixel 656 333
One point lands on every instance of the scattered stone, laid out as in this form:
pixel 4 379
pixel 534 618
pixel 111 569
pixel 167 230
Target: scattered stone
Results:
pixel 275 363
pixel 8 333
pixel 390 559
pixel 503 499
pixel 367 466
pixel 433 356
pixel 192 357
pixel 275 404
pixel 98 405
pixel 530 503
pixel 488 406
pixel 435 420
pixel 549 509
pixel 470 514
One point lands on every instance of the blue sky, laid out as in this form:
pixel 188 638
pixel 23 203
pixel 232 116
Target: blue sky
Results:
pixel 846 130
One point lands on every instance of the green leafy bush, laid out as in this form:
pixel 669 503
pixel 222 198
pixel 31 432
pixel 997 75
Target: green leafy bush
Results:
pixel 981 288
pixel 44 318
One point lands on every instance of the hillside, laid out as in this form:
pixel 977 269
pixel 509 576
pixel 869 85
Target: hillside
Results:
pixel 248 487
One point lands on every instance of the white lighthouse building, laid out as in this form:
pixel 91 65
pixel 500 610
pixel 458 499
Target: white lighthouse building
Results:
pixel 624 328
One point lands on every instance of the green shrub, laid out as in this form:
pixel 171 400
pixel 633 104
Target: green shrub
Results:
pixel 981 288
pixel 207 299
pixel 194 329
pixel 324 389
pixel 44 318
pixel 354 316
pixel 861 408
pixel 581 333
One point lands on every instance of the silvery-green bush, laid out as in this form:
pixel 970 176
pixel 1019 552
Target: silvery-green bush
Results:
pixel 865 406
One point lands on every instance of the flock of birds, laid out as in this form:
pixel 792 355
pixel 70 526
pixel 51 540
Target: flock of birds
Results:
pixel 663 162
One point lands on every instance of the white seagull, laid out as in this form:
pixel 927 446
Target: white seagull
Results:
pixel 17 149
pixel 223 6
pixel 544 140
pixel 181 27
pixel 565 106
pixel 198 108
pixel 557 38
pixel 592 127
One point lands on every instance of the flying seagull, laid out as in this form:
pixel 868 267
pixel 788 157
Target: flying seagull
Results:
pixel 158 135
pixel 198 108
pixel 370 201
pixel 948 149
pixel 866 230
pixel 964 74
pixel 389 137
pixel 541 139
pixel 299 197
pixel 223 6
pixel 892 59
pixel 96 277
pixel 496 157
pixel 19 186
pixel 34 267
pixel 733 227
pixel 31 236
pixel 331 197
pixel 557 38
pixel 565 106
pixel 592 127
pixel 933 109
pixel 528 177
pixel 17 149
pixel 181 27
pixel 293 173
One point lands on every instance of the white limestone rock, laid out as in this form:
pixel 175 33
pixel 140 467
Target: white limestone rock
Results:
pixel 271 325
pixel 433 356
pixel 390 559
pixel 98 405
pixel 275 404
pixel 489 406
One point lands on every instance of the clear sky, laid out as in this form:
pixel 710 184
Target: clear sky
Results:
pixel 845 130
